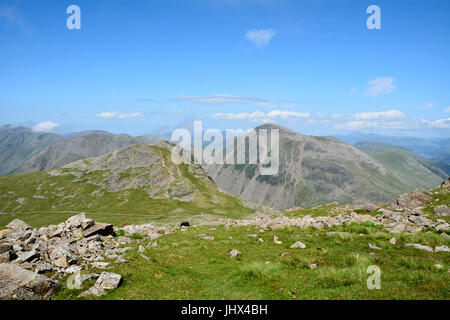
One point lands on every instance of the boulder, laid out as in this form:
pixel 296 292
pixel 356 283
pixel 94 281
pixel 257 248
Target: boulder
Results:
pixel 5 247
pixel 234 253
pixel 43 267
pixel 442 211
pixel 446 184
pixel 17 283
pixel 298 244
pixel 17 225
pixel 442 249
pixel 418 246
pixel 106 281
pixel 411 200
pixel 98 228
pixel 27 256
pixel 7 257
pixel 369 207
pixel 371 246
pixel 5 233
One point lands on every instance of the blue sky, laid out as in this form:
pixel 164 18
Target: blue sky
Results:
pixel 141 67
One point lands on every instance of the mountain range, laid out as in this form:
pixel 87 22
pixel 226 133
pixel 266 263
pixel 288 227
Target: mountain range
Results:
pixel 320 170
pixel 312 171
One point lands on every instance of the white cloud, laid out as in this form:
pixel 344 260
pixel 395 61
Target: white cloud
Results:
pixel 287 114
pixel 441 123
pixel 118 115
pixel 260 38
pixel 45 126
pixel 430 105
pixel 447 110
pixel 380 85
pixel 352 91
pixel 222 98
pixel 260 116
pixel 383 115
pixel 391 119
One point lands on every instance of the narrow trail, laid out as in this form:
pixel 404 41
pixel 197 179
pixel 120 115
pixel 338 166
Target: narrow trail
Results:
pixel 171 175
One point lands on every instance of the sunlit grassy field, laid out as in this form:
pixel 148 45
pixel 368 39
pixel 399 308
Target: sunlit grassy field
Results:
pixel 186 267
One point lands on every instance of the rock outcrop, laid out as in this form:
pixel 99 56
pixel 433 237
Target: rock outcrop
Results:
pixel 17 283
pixel 411 200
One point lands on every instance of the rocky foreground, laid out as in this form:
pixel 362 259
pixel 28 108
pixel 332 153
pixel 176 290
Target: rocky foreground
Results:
pixel 37 263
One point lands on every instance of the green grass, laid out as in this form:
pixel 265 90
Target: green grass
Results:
pixel 186 267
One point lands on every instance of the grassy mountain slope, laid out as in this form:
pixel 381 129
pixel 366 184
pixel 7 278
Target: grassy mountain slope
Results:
pixel 136 184
pixel 405 164
pixel 314 171
pixel 90 144
pixel 18 144
pixel 436 150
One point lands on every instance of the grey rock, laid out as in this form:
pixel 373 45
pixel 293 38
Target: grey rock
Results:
pixel 17 283
pixel 100 265
pixel 371 246
pixel 98 228
pixel 418 246
pixel 26 256
pixel 108 281
pixel 442 249
pixel 147 258
pixel 18 225
pixel 4 247
pixel 298 244
pixel 442 211
pixel 43 267
pixel 234 253
pixel 7 257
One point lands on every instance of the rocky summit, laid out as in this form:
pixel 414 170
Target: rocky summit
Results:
pixel 60 250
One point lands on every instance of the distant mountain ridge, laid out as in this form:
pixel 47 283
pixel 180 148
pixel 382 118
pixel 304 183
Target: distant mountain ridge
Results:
pixel 434 148
pixel 89 145
pixel 18 144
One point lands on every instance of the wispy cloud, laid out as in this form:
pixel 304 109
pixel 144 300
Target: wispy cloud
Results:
pixel 440 124
pixel 260 38
pixel 10 14
pixel 447 110
pixel 380 85
pixel 430 105
pixel 118 115
pixel 222 98
pixel 390 119
pixel 259 116
pixel 45 126
pixel 381 115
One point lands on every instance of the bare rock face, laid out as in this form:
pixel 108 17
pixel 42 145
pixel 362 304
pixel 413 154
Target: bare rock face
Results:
pixel 412 200
pixel 17 283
